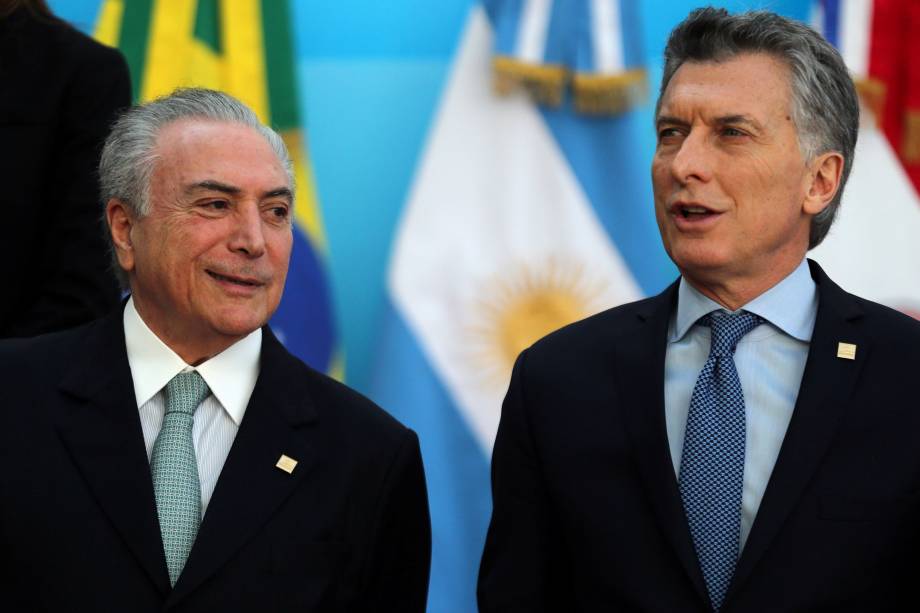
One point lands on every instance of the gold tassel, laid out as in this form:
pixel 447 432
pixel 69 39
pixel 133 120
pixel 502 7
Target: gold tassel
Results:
pixel 873 93
pixel 910 146
pixel 609 94
pixel 545 84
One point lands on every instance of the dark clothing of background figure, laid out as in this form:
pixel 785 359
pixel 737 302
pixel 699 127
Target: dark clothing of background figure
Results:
pixel 346 530
pixel 587 514
pixel 60 93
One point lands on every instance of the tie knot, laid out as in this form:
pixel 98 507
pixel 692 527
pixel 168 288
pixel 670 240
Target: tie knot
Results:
pixel 184 392
pixel 727 330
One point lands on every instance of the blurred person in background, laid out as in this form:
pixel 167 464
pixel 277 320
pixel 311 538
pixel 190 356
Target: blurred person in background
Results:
pixel 60 92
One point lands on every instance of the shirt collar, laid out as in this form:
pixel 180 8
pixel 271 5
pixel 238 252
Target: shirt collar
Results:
pixel 791 305
pixel 231 375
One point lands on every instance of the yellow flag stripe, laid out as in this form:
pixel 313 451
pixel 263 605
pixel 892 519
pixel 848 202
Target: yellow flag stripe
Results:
pixel 244 54
pixel 205 67
pixel 337 365
pixel 108 23
pixel 307 211
pixel 169 49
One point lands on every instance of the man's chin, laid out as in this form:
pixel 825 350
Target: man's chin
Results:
pixel 237 324
pixel 701 261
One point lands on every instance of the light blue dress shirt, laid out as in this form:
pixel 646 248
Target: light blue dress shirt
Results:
pixel 770 361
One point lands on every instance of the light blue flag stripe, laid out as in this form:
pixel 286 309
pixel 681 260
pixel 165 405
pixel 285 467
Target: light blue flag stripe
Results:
pixel 611 158
pixel 456 471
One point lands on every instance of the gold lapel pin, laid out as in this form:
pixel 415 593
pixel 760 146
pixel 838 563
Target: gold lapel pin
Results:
pixel 287 464
pixel 847 351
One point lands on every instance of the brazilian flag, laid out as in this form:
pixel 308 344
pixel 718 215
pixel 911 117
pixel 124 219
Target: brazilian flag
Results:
pixel 244 48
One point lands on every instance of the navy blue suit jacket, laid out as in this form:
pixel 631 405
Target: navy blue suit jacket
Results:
pixel 348 530
pixel 587 514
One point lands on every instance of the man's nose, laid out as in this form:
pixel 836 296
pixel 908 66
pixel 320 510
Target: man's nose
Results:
pixel 248 236
pixel 693 160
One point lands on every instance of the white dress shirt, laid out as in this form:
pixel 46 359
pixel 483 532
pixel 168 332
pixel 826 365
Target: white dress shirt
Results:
pixel 231 376
pixel 770 360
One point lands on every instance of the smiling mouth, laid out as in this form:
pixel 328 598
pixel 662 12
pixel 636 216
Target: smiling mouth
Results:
pixel 233 280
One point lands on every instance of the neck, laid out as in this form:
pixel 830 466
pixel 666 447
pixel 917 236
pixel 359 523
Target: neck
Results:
pixel 193 346
pixel 734 292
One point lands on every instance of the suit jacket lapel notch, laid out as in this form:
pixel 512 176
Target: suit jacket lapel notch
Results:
pixel 250 487
pixel 640 385
pixel 100 426
pixel 827 385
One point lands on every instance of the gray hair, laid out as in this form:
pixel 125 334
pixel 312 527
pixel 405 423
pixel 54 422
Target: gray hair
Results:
pixel 825 107
pixel 130 152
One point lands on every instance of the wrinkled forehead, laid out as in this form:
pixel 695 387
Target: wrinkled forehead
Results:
pixel 199 152
pixel 740 78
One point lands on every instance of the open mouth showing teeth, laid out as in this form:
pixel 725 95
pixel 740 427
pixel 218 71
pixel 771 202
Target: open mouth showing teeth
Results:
pixel 692 211
pixel 231 280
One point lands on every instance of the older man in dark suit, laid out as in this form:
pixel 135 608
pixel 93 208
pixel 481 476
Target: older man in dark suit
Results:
pixel 174 456
pixel 747 440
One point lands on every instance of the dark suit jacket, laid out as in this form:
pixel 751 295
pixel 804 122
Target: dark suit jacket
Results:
pixel 587 514
pixel 59 92
pixel 348 530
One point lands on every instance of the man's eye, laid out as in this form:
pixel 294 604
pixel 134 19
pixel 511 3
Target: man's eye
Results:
pixel 732 132
pixel 281 212
pixel 218 204
pixel 668 133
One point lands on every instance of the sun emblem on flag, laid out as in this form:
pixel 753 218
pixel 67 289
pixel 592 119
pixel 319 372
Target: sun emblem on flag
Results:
pixel 521 307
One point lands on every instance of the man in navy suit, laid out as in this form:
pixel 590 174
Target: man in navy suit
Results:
pixel 746 440
pixel 173 456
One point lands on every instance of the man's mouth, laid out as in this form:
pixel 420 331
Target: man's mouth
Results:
pixel 689 211
pixel 692 211
pixel 244 282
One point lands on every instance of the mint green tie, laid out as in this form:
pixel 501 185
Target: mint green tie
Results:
pixel 175 471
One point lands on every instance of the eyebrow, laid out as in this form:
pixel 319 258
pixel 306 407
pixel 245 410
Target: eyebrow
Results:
pixel 232 190
pixel 720 121
pixel 215 186
pixel 282 192
pixel 735 119
pixel 662 119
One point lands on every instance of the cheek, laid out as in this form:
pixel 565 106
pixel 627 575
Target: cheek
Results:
pixel 281 251
pixel 660 175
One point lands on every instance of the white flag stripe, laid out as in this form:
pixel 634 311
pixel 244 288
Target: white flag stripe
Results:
pixel 532 29
pixel 855 26
pixel 816 17
pixel 606 36
pixel 873 248
pixel 493 196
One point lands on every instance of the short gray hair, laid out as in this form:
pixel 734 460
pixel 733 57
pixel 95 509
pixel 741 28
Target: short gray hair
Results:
pixel 825 106
pixel 130 152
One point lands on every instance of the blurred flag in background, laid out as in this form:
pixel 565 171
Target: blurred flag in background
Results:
pixel 244 48
pixel 521 219
pixel 873 249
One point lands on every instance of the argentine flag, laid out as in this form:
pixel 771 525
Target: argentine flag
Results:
pixel 520 220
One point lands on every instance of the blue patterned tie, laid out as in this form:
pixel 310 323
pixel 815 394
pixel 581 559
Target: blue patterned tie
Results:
pixel 175 471
pixel 712 463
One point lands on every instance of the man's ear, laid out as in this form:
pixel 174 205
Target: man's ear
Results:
pixel 121 221
pixel 826 171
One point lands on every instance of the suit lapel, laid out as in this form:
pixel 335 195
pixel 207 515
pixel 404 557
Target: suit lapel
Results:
pixel 640 384
pixel 827 385
pixel 100 427
pixel 251 487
